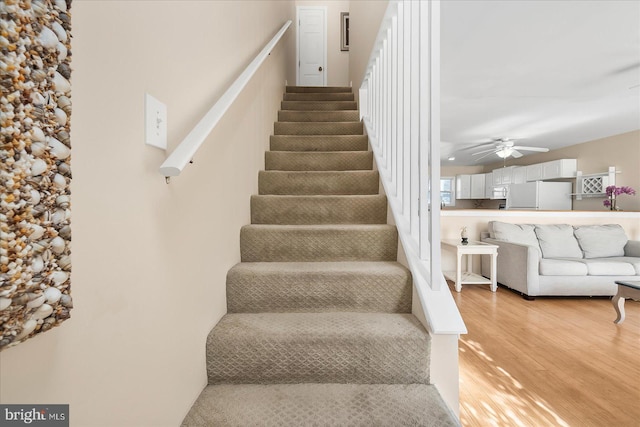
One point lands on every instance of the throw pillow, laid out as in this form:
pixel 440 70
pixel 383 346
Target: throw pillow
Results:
pixel 600 241
pixel 558 241
pixel 522 234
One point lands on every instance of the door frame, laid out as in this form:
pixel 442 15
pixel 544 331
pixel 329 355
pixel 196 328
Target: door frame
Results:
pixel 326 67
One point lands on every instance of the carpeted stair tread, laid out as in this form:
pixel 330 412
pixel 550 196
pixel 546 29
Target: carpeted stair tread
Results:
pixel 362 348
pixel 313 405
pixel 318 128
pixel 318 160
pixel 319 116
pixel 318 243
pixel 279 287
pixel 297 210
pixel 318 105
pixel 318 89
pixel 319 143
pixel 318 182
pixel 319 330
pixel 346 96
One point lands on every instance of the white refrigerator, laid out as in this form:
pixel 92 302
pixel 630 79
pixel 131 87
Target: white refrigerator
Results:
pixel 540 195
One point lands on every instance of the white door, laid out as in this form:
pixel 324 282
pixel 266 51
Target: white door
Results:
pixel 312 46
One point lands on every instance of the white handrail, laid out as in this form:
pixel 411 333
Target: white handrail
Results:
pixel 399 102
pixel 184 152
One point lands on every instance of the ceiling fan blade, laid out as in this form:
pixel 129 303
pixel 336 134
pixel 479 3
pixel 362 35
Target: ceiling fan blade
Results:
pixel 516 154
pixel 539 149
pixel 473 147
pixel 492 150
pixel 486 155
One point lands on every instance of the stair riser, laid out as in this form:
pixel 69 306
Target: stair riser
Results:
pixel 256 291
pixel 318 105
pixel 319 143
pixel 299 210
pixel 243 352
pixel 327 161
pixel 356 243
pixel 318 89
pixel 318 183
pixel 318 128
pixel 305 405
pixel 318 97
pixel 318 116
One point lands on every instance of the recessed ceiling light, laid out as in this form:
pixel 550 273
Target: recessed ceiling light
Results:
pixel 452 158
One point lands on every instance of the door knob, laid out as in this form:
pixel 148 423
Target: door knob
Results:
pixel 319 68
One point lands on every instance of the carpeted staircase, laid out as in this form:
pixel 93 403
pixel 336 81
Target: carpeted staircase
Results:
pixel 319 330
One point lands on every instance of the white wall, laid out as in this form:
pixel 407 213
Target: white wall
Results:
pixel 337 61
pixel 150 259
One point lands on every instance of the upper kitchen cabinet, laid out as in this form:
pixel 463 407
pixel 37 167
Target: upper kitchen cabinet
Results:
pixel 556 169
pixel 505 175
pixel 471 186
pixel 463 187
pixel 519 175
pixel 477 186
pixel 488 185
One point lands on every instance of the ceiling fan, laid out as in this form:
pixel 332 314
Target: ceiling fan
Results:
pixel 505 147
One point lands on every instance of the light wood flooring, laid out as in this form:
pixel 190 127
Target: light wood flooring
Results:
pixel 548 362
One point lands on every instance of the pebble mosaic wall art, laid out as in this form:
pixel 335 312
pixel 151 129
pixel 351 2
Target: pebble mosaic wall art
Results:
pixel 35 174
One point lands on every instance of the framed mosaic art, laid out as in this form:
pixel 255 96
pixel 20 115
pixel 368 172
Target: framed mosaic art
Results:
pixel 35 169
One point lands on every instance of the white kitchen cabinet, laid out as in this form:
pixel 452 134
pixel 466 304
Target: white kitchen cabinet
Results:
pixel 519 175
pixel 534 172
pixel 555 169
pixel 563 168
pixel 488 185
pixel 477 186
pixel 504 176
pixel 463 187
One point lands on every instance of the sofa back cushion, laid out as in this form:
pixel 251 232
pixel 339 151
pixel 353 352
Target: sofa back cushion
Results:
pixel 522 234
pixel 600 241
pixel 558 241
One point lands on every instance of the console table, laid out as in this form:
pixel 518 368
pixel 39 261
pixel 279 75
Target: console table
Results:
pixel 625 290
pixel 468 277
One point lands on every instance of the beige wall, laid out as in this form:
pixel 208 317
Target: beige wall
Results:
pixel 621 151
pixel 337 60
pixel 365 18
pixel 150 259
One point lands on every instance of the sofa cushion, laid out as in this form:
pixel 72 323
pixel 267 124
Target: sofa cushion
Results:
pixel 608 267
pixel 600 241
pixel 634 261
pixel 557 241
pixel 562 267
pixel 522 234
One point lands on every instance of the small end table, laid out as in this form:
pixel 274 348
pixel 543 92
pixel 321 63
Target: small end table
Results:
pixel 468 277
pixel 625 290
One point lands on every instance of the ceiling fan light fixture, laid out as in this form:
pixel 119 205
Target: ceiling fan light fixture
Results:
pixel 505 152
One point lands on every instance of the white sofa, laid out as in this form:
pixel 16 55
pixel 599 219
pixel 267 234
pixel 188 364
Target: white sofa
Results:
pixel 559 259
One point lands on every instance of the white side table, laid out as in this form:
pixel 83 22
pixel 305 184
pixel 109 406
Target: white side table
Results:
pixel 469 277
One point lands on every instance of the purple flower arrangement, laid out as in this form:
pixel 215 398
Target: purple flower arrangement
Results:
pixel 613 192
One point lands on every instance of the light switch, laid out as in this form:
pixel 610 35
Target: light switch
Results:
pixel 155 118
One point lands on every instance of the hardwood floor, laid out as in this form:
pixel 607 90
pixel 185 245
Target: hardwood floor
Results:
pixel 548 362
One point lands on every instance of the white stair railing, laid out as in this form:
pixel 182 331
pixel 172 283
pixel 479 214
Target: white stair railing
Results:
pixel 399 102
pixel 184 152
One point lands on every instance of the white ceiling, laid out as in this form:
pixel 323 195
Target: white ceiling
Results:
pixel 546 73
